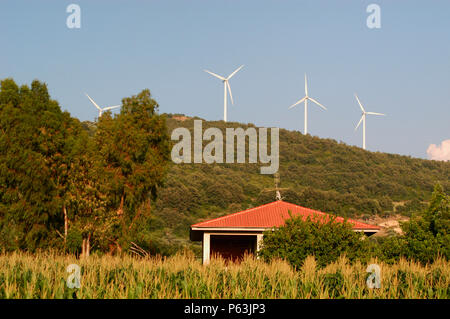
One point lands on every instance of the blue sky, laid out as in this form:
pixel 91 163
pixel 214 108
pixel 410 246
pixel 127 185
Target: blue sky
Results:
pixel 122 47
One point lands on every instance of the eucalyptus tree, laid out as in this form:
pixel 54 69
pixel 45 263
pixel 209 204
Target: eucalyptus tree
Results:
pixel 35 148
pixel 134 147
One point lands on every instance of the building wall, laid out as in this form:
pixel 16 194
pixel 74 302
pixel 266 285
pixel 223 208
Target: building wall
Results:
pixel 232 247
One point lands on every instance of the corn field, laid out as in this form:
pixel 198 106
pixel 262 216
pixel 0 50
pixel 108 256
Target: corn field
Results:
pixel 44 275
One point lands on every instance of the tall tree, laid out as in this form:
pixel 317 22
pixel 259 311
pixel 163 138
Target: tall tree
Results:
pixel 134 146
pixel 429 235
pixel 426 236
pixel 87 221
pixel 34 146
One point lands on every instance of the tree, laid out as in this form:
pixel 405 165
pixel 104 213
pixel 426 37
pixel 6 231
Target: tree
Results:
pixel 85 200
pixel 325 239
pixel 134 150
pixel 34 145
pixel 60 180
pixel 426 236
pixel 438 213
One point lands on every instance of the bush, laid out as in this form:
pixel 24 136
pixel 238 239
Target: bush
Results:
pixel 426 237
pixel 74 241
pixel 324 239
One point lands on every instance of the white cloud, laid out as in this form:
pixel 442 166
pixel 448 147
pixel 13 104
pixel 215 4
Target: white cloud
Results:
pixel 439 152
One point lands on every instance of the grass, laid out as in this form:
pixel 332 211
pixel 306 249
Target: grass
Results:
pixel 44 275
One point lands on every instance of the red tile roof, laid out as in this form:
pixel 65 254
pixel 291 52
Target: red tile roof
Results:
pixel 272 215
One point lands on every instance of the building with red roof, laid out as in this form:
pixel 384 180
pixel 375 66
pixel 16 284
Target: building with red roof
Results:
pixel 233 235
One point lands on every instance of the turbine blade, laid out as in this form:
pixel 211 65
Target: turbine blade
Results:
pixel 93 102
pixel 306 86
pixel 359 122
pixel 310 98
pixel 297 103
pixel 360 105
pixel 229 91
pixel 111 107
pixel 373 113
pixel 217 76
pixel 235 71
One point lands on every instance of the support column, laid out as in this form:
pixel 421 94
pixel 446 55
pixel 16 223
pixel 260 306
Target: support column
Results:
pixel 259 238
pixel 206 248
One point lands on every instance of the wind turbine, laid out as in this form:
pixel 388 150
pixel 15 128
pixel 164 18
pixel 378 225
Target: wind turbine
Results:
pixel 101 110
pixel 226 87
pixel 305 99
pixel 363 119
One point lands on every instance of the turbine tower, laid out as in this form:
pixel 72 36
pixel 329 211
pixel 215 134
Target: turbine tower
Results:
pixel 226 87
pixel 101 110
pixel 363 119
pixel 305 99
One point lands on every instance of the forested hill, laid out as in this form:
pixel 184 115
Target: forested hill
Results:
pixel 71 186
pixel 317 173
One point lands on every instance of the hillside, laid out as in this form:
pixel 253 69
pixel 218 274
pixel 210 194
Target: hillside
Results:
pixel 322 174
pixel 63 182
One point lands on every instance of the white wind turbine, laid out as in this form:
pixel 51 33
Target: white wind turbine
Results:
pixel 305 99
pixel 226 86
pixel 363 119
pixel 101 110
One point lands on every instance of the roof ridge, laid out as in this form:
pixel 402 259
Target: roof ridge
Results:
pixel 310 209
pixel 287 205
pixel 330 214
pixel 237 213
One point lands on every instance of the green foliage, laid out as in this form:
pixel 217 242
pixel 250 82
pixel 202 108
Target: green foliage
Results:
pixel 73 241
pixel 390 249
pixel 35 145
pixel 438 213
pixel 426 236
pixel 110 177
pixel 51 166
pixel 323 238
pixel 43 276
pixel 317 173
pixel 134 152
pixel 334 283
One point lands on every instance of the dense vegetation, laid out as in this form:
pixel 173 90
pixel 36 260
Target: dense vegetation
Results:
pixel 317 173
pixel 181 276
pixel 426 238
pixel 110 184
pixel 326 240
pixel 63 187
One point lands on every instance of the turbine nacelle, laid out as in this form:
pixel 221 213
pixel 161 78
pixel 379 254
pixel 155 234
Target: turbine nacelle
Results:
pixel 227 88
pixel 363 119
pixel 305 99
pixel 101 110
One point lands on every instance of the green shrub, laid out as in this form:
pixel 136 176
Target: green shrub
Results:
pixel 74 241
pixel 426 237
pixel 324 239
